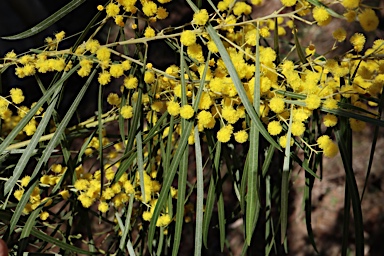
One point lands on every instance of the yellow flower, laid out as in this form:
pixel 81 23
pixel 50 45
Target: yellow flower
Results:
pixel 283 141
pixel 212 46
pixel 126 112
pixel 274 128
pixel 188 37
pixel 65 194
pixel 163 220
pixel 312 101
pixel 103 207
pixel 241 8
pixel 339 34
pixel 288 3
pixel 126 65
pixel 320 14
pixel 103 54
pixel 329 120
pixel 44 215
pixel 350 15
pixel 119 20
pixel 81 184
pixel 201 17
pixel 330 103
pixel 25 180
pixel 241 136
pixel 18 194
pixel 60 36
pixel 149 8
pixel 104 78
pixel 131 82
pixel 173 108
pixel 147 216
pixel 358 41
pixel 186 111
pixel 323 141
pixel 277 105
pixel 149 77
pixel 204 117
pixel 331 150
pixel 113 99
pixel 224 134
pixel 161 13
pixel 116 70
pixel 86 201
pixel 92 46
pixel 112 10
pixel 350 4
pixel 128 187
pixel 149 32
pixel 230 114
pixel 297 128
pixel 16 95
pixel 368 20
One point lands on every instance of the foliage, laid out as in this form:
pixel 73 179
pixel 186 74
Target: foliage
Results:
pixel 244 92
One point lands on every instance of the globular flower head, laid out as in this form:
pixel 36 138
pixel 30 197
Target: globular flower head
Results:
pixel 201 17
pixel 188 37
pixel 224 134
pixel 368 20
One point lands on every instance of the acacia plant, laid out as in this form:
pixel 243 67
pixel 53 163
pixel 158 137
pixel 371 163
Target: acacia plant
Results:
pixel 243 92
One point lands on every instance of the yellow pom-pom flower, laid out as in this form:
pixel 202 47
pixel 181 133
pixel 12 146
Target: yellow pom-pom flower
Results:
pixel 358 41
pixel 113 99
pixel 188 37
pixel 329 120
pixel 149 77
pixel 131 82
pixel 103 54
pixel 368 20
pixel 126 112
pixel 320 14
pixel 186 111
pixel 149 32
pixel 149 8
pixel 224 134
pixel 201 17
pixel 112 10
pixel 274 128
pixel 350 4
pixel 297 128
pixel 241 136
pixel 277 105
pixel 17 95
pixel 173 108
pixel 283 141
pixel 116 70
pixel 312 101
pixel 103 207
pixel 230 114
pixel 288 3
pixel 104 78
pixel 339 34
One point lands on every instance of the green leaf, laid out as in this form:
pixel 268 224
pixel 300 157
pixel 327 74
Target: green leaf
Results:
pixel 182 184
pixel 253 201
pixel 285 182
pixel 65 246
pixel 199 194
pixel 48 21
pixel 353 193
pixel 299 50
